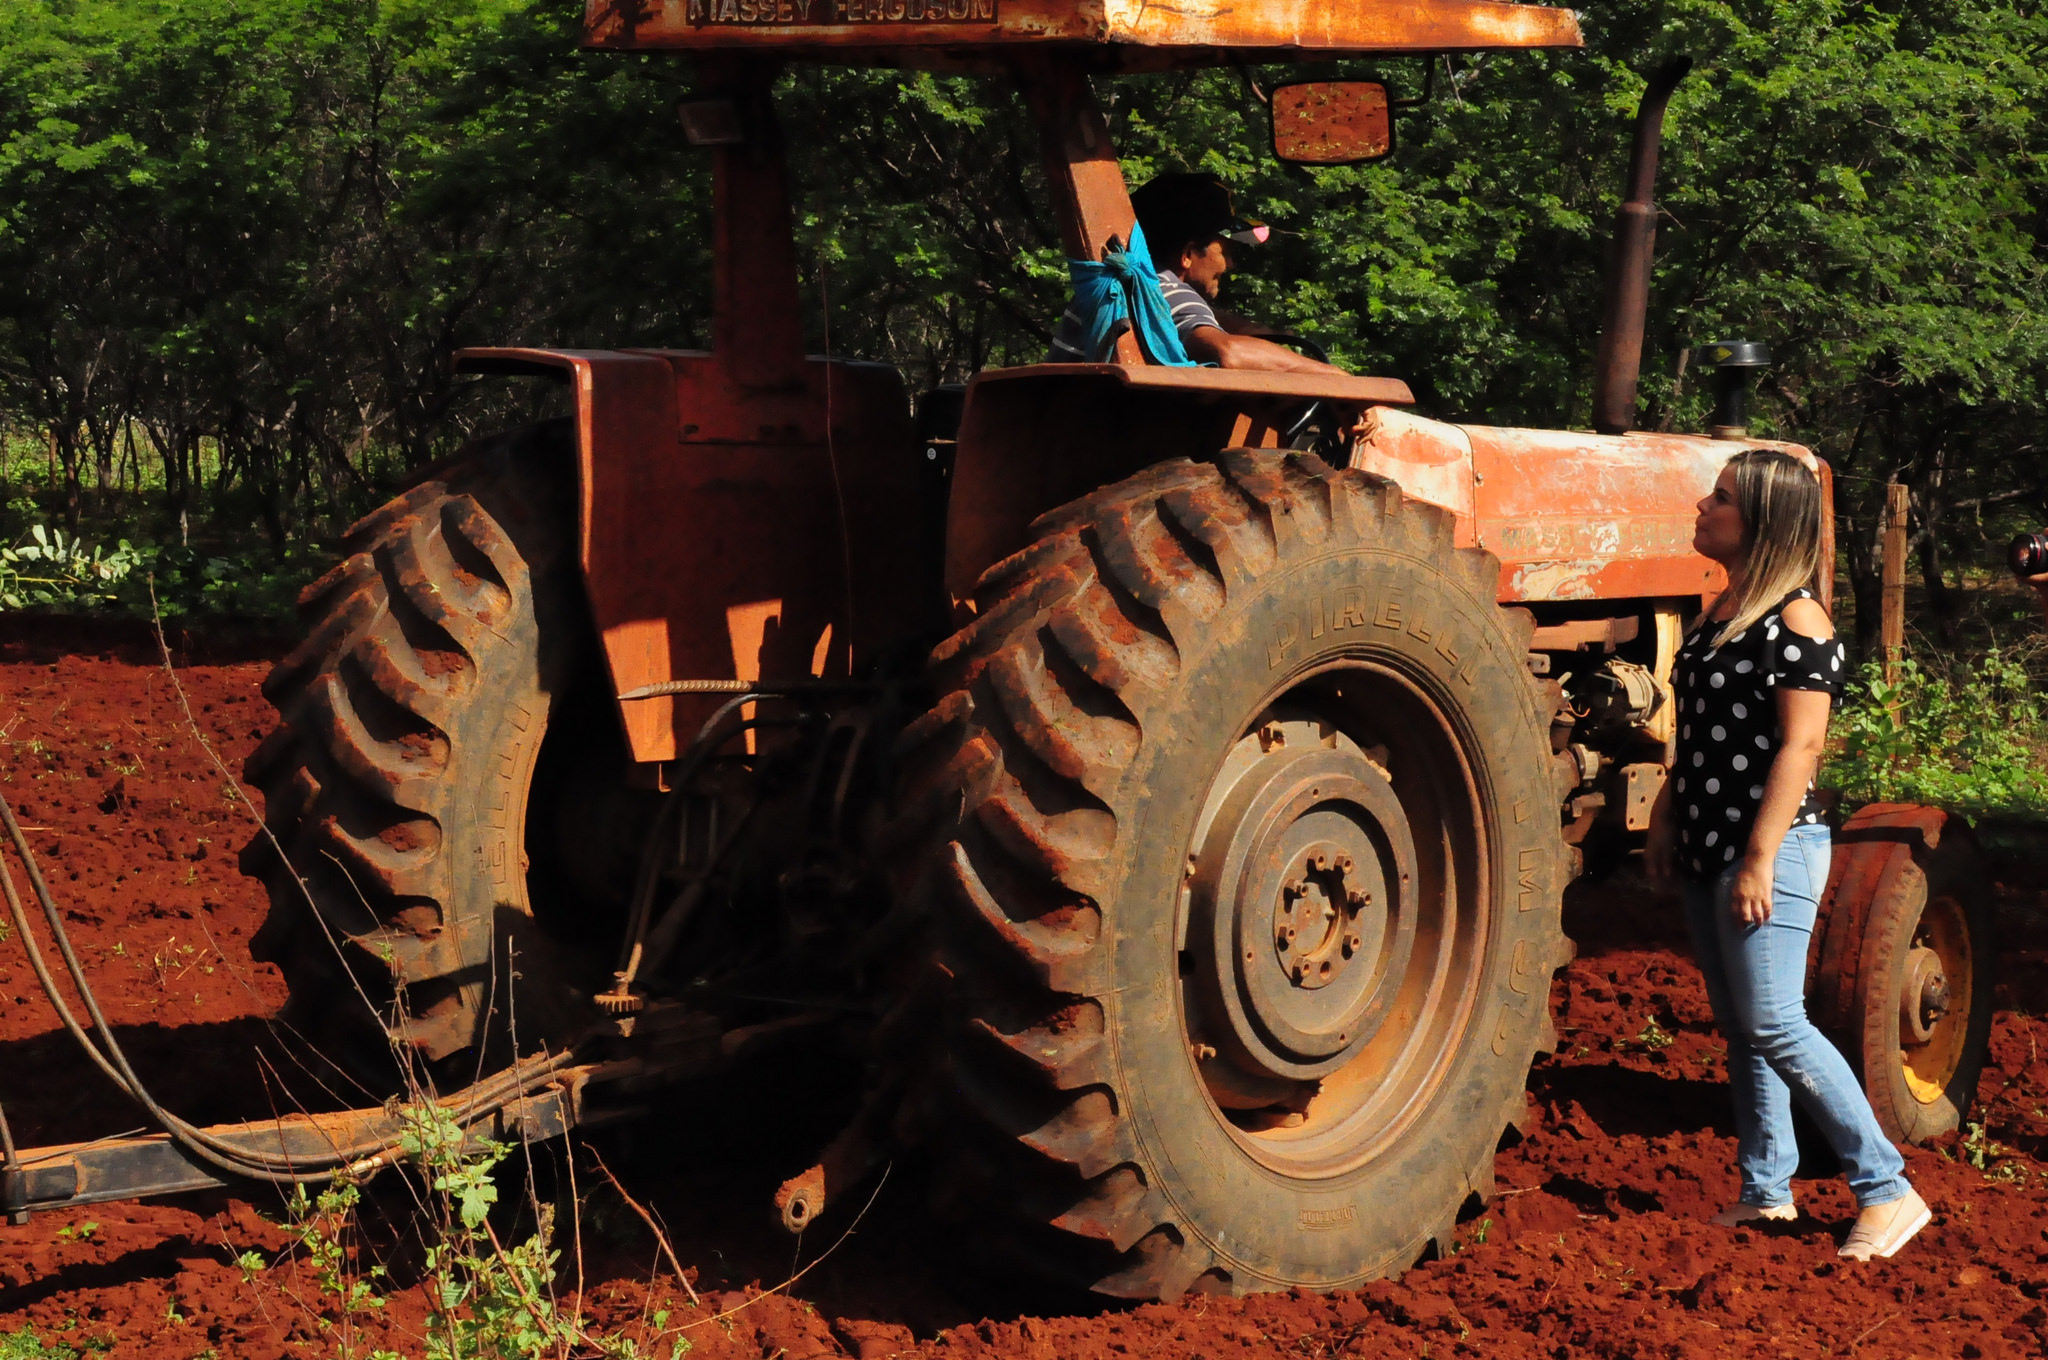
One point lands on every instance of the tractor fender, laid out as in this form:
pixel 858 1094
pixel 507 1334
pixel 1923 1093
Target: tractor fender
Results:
pixel 1572 516
pixel 729 532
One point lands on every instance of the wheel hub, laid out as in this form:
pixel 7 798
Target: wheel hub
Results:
pixel 1923 997
pixel 1322 919
pixel 1305 883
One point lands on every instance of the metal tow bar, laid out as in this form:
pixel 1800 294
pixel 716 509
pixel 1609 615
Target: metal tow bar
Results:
pixel 69 1175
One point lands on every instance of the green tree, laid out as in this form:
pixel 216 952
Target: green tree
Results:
pixel 261 227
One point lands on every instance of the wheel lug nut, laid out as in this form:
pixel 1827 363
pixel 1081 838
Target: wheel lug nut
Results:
pixel 1320 861
pixel 1346 865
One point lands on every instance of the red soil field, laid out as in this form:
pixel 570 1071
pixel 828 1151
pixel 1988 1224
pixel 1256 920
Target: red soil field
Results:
pixel 1595 1242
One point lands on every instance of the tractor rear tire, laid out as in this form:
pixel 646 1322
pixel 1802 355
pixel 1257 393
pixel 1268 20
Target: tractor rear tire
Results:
pixel 1247 895
pixel 397 782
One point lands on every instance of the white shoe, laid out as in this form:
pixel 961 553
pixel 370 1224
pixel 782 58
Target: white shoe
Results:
pixel 1739 1214
pixel 1882 1229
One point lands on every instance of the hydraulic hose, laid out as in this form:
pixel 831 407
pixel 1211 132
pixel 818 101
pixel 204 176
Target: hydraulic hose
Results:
pixel 225 1154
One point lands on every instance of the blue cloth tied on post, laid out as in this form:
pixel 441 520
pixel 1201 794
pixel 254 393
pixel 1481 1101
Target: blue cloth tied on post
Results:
pixel 1125 287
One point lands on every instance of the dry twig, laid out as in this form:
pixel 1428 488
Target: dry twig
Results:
pixel 660 1237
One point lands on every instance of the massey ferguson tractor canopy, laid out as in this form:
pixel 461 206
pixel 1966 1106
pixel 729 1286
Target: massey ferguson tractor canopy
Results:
pixel 1127 34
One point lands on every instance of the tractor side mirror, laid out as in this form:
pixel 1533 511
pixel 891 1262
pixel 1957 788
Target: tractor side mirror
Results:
pixel 1332 122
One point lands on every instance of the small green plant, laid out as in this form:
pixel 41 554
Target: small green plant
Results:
pixel 1970 742
pixel 321 1224
pixel 252 1264
pixel 26 1345
pixel 78 1232
pixel 52 568
pixel 1479 1233
pixel 1994 1159
pixel 1654 1036
pixel 486 1300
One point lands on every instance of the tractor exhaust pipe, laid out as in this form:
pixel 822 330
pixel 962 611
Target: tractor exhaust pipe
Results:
pixel 1620 360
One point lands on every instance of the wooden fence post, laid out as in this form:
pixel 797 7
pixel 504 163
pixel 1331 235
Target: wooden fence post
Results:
pixel 1892 618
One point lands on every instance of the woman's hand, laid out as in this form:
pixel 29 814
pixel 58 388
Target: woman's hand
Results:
pixel 1750 899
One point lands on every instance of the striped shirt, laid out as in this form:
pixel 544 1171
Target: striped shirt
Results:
pixel 1191 312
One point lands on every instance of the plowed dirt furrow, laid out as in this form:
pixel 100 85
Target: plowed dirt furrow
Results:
pixel 1594 1244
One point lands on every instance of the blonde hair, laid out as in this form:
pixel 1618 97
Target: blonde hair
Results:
pixel 1778 498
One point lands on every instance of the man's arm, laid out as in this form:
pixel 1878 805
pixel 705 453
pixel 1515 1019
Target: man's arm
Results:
pixel 1220 347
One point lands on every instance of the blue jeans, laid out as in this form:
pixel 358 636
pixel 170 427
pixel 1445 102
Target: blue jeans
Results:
pixel 1756 980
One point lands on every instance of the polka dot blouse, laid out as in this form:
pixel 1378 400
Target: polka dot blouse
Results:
pixel 1728 730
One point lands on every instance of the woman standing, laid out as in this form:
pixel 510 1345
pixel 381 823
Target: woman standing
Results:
pixel 1739 830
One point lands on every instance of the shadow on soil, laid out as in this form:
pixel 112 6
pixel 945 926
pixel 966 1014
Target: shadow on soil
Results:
pixel 1622 1101
pixel 207 1073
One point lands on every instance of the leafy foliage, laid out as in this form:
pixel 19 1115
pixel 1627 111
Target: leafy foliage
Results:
pixel 24 1344
pixel 1973 744
pixel 239 239
pixel 51 569
pixel 485 1300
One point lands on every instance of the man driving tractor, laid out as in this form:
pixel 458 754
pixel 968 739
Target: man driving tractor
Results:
pixel 1191 229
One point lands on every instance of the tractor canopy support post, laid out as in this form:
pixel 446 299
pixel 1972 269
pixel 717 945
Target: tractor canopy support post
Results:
pixel 1087 182
pixel 757 308
pixel 1620 360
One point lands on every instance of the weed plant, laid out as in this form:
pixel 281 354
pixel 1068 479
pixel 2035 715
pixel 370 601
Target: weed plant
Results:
pixel 124 539
pixel 485 1300
pixel 45 568
pixel 25 1344
pixel 1972 741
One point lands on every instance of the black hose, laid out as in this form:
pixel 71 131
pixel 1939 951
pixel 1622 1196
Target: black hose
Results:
pixel 249 1163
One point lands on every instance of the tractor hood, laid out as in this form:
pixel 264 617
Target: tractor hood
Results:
pixel 1123 34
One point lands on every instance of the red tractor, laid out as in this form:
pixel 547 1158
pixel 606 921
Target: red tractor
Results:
pixel 1177 816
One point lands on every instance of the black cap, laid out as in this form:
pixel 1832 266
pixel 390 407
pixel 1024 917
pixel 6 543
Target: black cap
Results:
pixel 1177 209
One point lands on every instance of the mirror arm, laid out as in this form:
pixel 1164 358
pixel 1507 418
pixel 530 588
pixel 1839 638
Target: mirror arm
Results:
pixel 1251 82
pixel 1428 84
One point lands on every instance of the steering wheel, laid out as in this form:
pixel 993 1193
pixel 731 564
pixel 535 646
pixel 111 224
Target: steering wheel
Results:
pixel 1312 428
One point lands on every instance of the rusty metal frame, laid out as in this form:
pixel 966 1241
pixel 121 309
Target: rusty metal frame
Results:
pixel 1114 34
pixel 69 1175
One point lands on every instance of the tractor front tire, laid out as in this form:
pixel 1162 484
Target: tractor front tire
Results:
pixel 1903 965
pixel 396 785
pixel 1248 887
